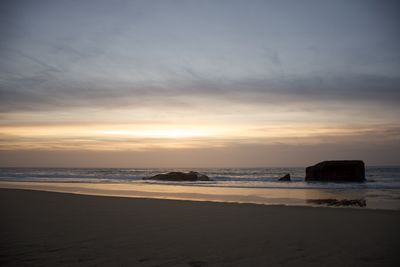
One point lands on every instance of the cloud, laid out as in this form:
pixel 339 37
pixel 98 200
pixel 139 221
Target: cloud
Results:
pixel 114 137
pixel 43 92
pixel 61 55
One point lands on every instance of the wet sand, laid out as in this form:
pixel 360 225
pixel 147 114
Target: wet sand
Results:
pixel 57 229
pixel 179 191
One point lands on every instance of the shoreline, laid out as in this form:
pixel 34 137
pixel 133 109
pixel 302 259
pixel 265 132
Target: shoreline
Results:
pixel 261 196
pixel 59 229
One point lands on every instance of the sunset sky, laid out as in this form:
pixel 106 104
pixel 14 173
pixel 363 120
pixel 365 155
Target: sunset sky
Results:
pixel 198 83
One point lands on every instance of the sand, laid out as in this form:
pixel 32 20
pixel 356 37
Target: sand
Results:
pixel 58 229
pixel 375 199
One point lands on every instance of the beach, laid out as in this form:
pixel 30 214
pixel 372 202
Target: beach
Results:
pixel 199 133
pixel 60 229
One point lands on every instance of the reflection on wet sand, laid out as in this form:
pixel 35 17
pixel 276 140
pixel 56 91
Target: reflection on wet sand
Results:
pixel 336 202
pixel 267 196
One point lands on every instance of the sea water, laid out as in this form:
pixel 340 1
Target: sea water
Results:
pixel 258 185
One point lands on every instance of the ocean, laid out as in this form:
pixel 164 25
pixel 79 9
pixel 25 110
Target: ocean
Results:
pixel 254 185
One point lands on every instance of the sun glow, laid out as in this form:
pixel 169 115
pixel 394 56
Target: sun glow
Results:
pixel 174 136
pixel 162 133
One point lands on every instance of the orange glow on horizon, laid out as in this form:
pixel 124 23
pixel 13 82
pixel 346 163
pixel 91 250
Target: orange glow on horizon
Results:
pixel 145 137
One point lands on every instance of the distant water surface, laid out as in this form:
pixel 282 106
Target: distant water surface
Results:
pixel 377 177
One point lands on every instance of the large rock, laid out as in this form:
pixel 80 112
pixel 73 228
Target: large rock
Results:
pixel 179 176
pixel 337 170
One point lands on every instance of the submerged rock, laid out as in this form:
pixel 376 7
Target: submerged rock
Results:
pixel 179 176
pixel 285 178
pixel 337 171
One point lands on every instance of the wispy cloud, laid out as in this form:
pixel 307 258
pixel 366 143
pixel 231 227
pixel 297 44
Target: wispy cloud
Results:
pixel 36 93
pixel 252 73
pixel 134 53
pixel 141 138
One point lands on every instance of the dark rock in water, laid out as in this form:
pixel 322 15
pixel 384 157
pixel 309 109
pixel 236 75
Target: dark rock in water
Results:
pixel 337 171
pixel 342 202
pixel 285 178
pixel 179 176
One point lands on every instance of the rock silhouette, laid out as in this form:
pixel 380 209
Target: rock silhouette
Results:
pixel 179 176
pixel 285 178
pixel 337 171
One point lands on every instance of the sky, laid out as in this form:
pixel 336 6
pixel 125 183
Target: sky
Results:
pixel 217 83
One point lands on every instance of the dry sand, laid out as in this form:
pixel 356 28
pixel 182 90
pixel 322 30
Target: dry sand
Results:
pixel 58 229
